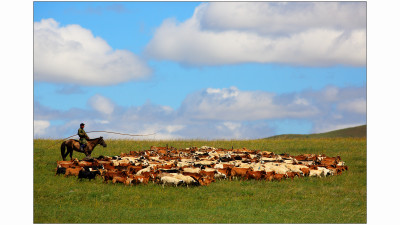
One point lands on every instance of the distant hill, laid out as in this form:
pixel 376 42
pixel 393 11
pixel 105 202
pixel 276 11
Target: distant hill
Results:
pixel 360 131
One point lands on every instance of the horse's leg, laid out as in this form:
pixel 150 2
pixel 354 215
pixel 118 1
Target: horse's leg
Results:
pixel 63 151
pixel 71 150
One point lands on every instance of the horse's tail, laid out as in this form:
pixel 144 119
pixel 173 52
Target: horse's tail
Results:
pixel 63 155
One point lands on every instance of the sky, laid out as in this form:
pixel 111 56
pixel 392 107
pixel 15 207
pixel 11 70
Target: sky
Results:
pixel 188 70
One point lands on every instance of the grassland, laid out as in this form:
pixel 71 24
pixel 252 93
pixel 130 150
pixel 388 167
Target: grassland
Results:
pixel 339 199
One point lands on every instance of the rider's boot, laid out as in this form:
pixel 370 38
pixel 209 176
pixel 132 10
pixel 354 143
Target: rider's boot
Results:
pixel 83 147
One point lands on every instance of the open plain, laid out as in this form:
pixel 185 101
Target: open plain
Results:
pixel 334 199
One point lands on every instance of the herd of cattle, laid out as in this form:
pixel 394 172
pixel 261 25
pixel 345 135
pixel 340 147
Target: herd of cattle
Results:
pixel 200 166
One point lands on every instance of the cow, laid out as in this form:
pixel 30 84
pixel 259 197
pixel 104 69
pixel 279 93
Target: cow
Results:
pixel 192 170
pixel 83 174
pixel 73 171
pixel 292 175
pixel 269 176
pixel 109 175
pixel 257 175
pixel 205 181
pixel 170 181
pixel 68 164
pixel 306 171
pixel 316 173
pixel 117 179
pixel 60 170
pixel 139 179
pixel 279 177
pixel 188 180
pixel 239 172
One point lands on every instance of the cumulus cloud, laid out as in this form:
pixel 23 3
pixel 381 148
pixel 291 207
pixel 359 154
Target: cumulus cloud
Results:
pixel 39 127
pixel 71 54
pixel 308 34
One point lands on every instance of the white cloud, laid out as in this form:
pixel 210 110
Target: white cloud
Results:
pixel 101 104
pixel 71 54
pixel 174 128
pixel 355 106
pixel 212 113
pixel 281 18
pixel 235 105
pixel 238 32
pixel 40 126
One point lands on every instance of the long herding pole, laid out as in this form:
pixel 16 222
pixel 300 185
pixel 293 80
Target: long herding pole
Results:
pixel 111 132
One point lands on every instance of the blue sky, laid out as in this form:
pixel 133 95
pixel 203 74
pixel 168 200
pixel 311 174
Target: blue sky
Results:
pixel 239 70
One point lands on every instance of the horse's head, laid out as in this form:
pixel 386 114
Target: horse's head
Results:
pixel 102 142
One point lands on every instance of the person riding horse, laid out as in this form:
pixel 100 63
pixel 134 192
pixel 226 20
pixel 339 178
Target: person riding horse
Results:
pixel 82 136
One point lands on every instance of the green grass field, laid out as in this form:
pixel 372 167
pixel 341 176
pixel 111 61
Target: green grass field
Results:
pixel 338 199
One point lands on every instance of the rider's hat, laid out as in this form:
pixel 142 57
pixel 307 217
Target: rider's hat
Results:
pixel 82 124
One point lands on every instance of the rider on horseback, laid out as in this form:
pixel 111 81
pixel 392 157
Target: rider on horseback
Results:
pixel 82 136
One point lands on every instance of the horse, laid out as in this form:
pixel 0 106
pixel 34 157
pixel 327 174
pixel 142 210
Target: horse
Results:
pixel 73 144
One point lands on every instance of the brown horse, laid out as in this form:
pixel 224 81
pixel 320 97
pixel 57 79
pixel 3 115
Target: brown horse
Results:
pixel 72 145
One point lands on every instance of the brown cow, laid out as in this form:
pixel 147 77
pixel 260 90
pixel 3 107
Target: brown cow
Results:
pixel 269 176
pixel 109 175
pixel 68 164
pixel 239 172
pixel 74 171
pixel 279 176
pixel 151 175
pixel 257 175
pixel 205 181
pixel 226 172
pixel 138 179
pixel 306 171
pixel 107 165
pixel 117 179
pixel 292 175
pixel 226 166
